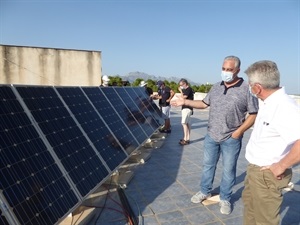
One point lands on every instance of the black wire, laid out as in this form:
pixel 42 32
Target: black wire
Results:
pixel 127 211
pixel 138 208
pixel 110 183
pixel 127 206
pixel 72 219
pixel 78 217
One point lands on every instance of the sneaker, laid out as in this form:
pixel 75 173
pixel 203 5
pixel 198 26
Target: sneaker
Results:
pixel 199 197
pixel 161 127
pixel 225 207
pixel 290 187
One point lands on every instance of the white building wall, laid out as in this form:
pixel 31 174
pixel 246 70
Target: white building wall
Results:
pixel 49 66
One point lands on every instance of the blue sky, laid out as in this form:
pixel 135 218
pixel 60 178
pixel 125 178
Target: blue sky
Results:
pixel 163 37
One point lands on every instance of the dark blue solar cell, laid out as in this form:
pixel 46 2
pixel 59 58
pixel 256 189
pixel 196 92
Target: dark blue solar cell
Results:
pixel 125 114
pixel 145 99
pixel 111 118
pixel 69 143
pixel 148 104
pixel 91 122
pixel 10 118
pixel 6 92
pixel 140 114
pixel 81 133
pixel 27 168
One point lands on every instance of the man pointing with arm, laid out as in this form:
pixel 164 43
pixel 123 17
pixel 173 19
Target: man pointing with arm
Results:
pixel 232 111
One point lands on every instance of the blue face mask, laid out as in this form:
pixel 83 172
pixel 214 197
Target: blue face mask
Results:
pixel 254 95
pixel 227 76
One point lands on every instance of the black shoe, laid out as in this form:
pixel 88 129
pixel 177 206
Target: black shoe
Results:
pixel 165 131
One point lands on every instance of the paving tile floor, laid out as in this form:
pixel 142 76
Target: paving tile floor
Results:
pixel 161 188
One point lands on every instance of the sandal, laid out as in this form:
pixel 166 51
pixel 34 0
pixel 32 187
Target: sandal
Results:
pixel 188 141
pixel 184 142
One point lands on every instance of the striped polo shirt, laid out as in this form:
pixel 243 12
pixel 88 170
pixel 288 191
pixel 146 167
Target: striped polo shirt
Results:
pixel 228 108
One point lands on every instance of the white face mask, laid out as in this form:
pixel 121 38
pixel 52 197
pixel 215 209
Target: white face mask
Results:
pixel 254 95
pixel 105 83
pixel 227 76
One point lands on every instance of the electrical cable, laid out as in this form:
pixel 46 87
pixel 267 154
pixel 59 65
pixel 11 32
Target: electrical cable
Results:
pixel 125 213
pixel 77 218
pixel 125 203
pixel 102 207
pixel 125 206
pixel 110 183
pixel 119 204
pixel 139 210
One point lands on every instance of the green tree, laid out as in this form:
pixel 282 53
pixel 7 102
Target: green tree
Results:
pixel 115 81
pixel 137 82
pixel 151 84
pixel 195 88
pixel 174 86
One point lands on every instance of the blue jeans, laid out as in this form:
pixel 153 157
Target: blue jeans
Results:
pixel 230 150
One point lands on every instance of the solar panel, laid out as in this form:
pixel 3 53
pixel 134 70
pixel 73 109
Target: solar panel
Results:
pixel 111 117
pixel 93 125
pixel 139 114
pixel 33 185
pixel 128 118
pixel 69 143
pixel 149 104
pixel 58 144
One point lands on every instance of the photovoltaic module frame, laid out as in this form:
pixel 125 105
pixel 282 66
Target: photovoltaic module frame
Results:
pixel 59 144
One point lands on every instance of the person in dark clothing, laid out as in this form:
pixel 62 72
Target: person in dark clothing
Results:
pixel 186 111
pixel 165 94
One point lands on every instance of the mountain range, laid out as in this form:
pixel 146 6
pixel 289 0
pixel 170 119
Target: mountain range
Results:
pixel 132 76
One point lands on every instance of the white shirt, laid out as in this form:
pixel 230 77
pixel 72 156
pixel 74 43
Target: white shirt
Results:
pixel 276 128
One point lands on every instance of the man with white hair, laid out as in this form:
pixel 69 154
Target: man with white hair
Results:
pixel 232 111
pixel 105 81
pixel 273 147
pixel 148 90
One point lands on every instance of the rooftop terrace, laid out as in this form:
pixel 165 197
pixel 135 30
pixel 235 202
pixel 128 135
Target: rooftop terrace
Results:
pixel 160 189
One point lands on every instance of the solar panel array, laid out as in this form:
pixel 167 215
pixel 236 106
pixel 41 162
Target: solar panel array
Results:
pixel 59 144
